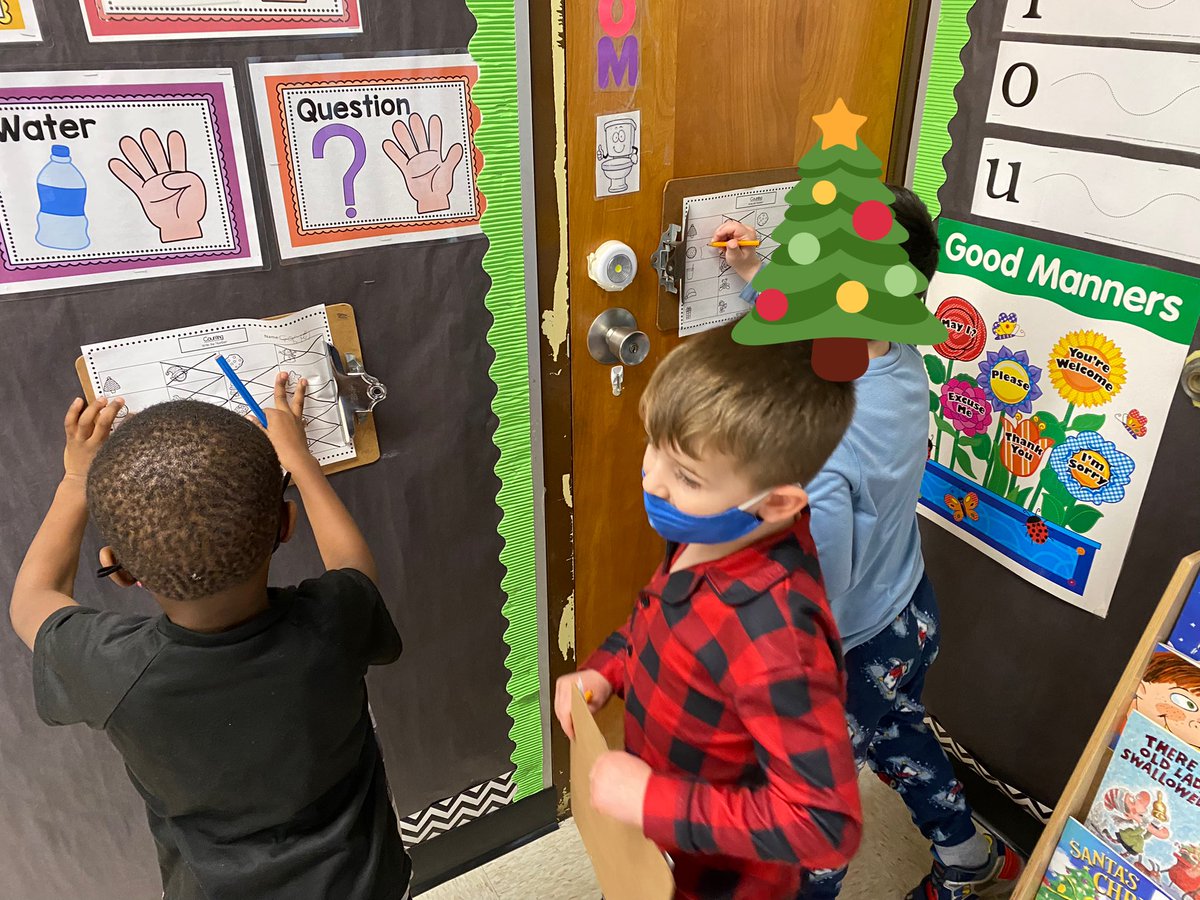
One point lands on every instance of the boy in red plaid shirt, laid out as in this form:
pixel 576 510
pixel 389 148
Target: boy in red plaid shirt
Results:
pixel 738 759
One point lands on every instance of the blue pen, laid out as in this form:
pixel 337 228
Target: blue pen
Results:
pixel 241 389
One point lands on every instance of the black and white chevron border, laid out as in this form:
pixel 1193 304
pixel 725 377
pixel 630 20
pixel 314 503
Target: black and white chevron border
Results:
pixel 446 815
pixel 1035 808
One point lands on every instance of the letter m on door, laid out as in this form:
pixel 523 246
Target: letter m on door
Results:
pixel 613 66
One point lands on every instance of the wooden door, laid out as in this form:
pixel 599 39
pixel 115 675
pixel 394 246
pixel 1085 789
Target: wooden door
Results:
pixel 721 88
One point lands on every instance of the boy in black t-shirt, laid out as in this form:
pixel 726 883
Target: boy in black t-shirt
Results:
pixel 241 713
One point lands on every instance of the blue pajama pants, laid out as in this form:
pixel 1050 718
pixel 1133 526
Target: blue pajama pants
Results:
pixel 886 677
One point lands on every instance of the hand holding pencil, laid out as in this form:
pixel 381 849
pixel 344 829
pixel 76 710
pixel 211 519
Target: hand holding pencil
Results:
pixel 741 247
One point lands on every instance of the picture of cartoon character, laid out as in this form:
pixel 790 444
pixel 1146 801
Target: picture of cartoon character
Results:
pixel 926 627
pixel 889 675
pixel 952 797
pixel 1133 819
pixel 1169 695
pixel 1185 873
pixel 901 771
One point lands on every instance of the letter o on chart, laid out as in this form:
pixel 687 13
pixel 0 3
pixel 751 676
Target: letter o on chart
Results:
pixel 1006 86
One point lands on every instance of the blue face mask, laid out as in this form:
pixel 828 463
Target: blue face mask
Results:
pixel 679 527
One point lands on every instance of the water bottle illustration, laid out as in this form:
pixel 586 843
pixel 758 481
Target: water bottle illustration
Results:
pixel 62 193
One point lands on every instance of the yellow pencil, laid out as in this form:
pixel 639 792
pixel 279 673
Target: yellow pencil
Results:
pixel 740 243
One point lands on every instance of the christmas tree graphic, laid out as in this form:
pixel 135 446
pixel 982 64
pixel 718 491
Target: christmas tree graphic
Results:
pixel 840 276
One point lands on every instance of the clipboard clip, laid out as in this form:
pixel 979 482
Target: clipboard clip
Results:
pixel 358 392
pixel 666 260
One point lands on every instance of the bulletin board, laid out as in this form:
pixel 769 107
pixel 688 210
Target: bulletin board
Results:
pixel 448 509
pixel 1062 174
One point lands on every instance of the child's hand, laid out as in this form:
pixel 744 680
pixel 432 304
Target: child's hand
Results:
pixel 592 681
pixel 618 783
pixel 286 425
pixel 743 260
pixel 87 428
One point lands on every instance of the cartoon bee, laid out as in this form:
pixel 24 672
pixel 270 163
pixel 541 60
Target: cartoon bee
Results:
pixel 1006 327
pixel 1036 528
pixel 961 506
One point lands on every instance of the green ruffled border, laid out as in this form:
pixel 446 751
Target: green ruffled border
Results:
pixel 945 72
pixel 499 139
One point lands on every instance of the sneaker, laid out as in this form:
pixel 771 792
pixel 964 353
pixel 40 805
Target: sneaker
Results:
pixel 995 878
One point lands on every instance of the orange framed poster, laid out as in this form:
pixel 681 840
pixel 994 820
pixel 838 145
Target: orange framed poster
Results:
pixel 367 152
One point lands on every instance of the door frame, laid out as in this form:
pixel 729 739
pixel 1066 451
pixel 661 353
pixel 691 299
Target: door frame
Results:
pixel 547 37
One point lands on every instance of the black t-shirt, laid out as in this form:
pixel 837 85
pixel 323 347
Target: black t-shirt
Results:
pixel 253 748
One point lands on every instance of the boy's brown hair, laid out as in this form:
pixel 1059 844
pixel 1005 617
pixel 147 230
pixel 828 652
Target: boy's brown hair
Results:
pixel 1167 668
pixel 762 406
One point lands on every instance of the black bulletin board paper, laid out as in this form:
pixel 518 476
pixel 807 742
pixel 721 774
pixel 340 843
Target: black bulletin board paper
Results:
pixel 71 824
pixel 1022 677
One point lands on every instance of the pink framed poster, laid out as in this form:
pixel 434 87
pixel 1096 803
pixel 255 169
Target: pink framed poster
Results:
pixel 114 175
pixel 144 20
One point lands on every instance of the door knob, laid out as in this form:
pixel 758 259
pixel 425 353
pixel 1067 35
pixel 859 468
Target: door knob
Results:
pixel 614 339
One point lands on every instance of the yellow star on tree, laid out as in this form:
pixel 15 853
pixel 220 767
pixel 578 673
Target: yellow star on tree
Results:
pixel 839 126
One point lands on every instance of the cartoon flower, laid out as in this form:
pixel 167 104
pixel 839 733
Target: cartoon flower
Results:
pixel 1009 381
pixel 968 334
pixel 1022 445
pixel 965 407
pixel 1086 368
pixel 1091 468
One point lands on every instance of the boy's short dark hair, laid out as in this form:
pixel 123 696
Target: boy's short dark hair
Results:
pixel 922 245
pixel 762 406
pixel 189 495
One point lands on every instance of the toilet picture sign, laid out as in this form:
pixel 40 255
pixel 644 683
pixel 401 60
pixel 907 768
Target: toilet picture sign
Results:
pixel 618 160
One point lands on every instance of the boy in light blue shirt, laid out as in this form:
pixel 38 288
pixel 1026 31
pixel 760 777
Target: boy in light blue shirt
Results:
pixel 864 523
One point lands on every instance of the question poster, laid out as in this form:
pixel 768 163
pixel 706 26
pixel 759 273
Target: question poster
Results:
pixel 113 175
pixel 1048 401
pixel 146 20
pixel 368 152
pixel 18 22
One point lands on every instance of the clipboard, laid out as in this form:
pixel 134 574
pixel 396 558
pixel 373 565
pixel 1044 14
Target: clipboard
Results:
pixel 675 192
pixel 627 864
pixel 344 329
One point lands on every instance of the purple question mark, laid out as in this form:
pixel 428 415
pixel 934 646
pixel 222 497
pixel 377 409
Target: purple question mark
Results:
pixel 322 137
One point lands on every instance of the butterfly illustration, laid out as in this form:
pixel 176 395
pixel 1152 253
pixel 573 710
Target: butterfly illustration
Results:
pixel 1135 423
pixel 961 506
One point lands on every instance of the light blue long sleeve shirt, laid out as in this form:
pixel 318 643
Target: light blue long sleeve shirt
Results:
pixel 864 501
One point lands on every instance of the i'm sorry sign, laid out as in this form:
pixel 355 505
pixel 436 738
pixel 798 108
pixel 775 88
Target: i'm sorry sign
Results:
pixel 118 175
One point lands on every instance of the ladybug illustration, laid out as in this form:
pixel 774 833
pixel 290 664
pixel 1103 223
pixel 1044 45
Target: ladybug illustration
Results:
pixel 1038 532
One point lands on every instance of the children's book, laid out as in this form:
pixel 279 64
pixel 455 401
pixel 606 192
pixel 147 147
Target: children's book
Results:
pixel 1185 637
pixel 1168 694
pixel 1086 868
pixel 1148 807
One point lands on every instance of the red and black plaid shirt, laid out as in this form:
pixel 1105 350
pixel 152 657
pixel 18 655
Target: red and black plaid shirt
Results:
pixel 735 696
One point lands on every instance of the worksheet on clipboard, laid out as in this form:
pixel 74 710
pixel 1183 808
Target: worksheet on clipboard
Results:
pixel 711 291
pixel 182 365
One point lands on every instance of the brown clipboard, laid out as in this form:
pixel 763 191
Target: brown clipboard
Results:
pixel 344 329
pixel 627 864
pixel 677 190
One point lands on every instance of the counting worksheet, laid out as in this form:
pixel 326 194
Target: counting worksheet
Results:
pixel 182 365
pixel 711 290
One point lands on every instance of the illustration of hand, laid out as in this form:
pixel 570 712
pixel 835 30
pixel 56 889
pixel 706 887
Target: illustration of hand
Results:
pixel 428 175
pixel 173 199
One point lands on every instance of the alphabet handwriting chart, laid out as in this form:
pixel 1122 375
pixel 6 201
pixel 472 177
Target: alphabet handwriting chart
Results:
pixel 182 365
pixel 113 175
pixel 369 151
pixel 1059 143
pixel 710 295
